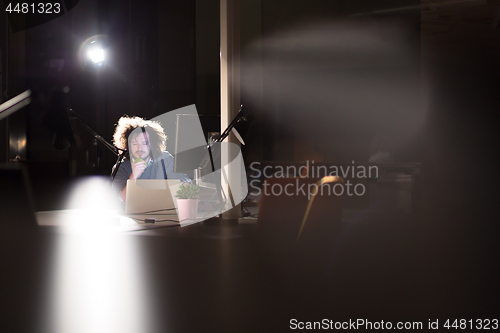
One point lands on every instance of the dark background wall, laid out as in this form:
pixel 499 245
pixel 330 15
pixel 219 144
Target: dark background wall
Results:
pixel 326 75
pixel 165 55
pixel 331 81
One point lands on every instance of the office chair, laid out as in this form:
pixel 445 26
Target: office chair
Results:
pixel 324 209
pixel 320 227
pixel 297 230
pixel 282 208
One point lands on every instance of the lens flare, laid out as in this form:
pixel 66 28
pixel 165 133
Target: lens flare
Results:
pixel 97 55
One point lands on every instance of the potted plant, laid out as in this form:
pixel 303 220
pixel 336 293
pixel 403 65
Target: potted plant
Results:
pixel 187 201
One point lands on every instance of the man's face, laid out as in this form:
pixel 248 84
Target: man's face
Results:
pixel 139 146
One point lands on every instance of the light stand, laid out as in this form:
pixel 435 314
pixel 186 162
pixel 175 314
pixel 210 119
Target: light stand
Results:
pixel 239 117
pixel 117 151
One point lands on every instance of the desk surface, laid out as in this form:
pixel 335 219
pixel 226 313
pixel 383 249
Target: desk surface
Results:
pixel 219 279
pixel 192 279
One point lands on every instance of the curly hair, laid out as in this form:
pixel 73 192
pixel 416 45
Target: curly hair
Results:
pixel 126 125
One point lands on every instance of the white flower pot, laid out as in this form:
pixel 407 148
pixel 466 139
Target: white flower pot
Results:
pixel 187 209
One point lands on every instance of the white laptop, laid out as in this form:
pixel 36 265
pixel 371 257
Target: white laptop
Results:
pixel 152 199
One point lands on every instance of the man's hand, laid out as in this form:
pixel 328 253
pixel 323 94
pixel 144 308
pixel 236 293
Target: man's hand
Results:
pixel 138 167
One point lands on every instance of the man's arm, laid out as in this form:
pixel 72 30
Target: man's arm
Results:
pixel 127 171
pixel 121 177
pixel 137 170
pixel 123 193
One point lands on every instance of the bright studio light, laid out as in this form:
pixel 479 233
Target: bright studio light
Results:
pixel 96 55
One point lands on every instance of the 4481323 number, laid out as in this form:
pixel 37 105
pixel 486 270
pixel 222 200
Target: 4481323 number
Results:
pixel 34 8
pixel 478 324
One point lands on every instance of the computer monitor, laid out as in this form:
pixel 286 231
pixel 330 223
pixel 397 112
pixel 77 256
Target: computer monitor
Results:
pixel 189 155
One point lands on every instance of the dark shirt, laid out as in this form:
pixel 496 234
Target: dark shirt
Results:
pixel 154 170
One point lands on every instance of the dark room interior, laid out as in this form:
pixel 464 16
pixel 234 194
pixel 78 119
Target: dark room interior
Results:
pixel 409 88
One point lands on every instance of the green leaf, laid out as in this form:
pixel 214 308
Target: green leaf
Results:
pixel 188 191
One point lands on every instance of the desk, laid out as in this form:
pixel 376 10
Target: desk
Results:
pixel 217 279
pixel 192 279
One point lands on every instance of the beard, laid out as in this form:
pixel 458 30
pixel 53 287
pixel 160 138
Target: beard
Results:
pixel 140 154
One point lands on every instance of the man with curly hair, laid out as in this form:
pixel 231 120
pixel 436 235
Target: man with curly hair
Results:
pixel 146 157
